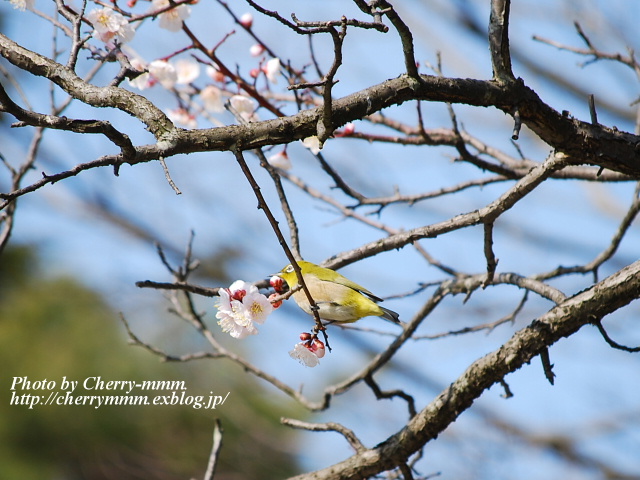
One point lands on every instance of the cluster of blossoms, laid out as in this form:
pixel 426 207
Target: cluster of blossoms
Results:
pixel 309 351
pixel 22 4
pixel 241 306
pixel 110 25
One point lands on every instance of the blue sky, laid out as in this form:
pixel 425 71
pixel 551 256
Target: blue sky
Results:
pixel 561 223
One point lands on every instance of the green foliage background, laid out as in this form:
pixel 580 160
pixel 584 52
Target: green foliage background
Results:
pixel 55 327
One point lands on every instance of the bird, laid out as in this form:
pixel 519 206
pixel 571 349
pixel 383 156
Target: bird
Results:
pixel 338 299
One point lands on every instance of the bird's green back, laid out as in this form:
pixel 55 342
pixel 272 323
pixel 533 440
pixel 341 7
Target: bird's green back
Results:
pixel 329 275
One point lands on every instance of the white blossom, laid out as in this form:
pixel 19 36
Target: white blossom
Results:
pixel 239 307
pixel 171 19
pixel 245 107
pixel 215 74
pixel 182 117
pixel 305 356
pixel 109 25
pixel 144 80
pixel 256 50
pixel 280 160
pixel 163 72
pixel 22 5
pixel 272 69
pixel 313 144
pixel 246 20
pixel 212 98
pixel 188 70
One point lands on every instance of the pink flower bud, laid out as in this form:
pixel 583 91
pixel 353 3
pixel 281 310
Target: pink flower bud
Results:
pixel 215 74
pixel 254 72
pixel 349 128
pixel 246 20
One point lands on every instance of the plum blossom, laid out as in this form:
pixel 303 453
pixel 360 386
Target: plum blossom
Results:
pixel 313 144
pixel 158 71
pixel 280 160
pixel 188 70
pixel 309 351
pixel 163 72
pixel 245 107
pixel 215 74
pixel 272 69
pixel 212 98
pixel 305 356
pixel 280 287
pixel 109 25
pixel 171 19
pixel 273 298
pixel 182 117
pixel 144 80
pixel 22 4
pixel 241 306
pixel 277 282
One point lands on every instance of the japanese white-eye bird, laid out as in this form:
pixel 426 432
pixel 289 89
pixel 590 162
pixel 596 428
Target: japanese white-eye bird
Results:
pixel 338 298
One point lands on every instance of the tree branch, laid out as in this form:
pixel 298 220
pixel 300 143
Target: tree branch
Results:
pixel 499 41
pixel 114 97
pixel 562 321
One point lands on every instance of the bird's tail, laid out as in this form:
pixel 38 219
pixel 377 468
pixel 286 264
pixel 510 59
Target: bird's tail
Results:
pixel 391 316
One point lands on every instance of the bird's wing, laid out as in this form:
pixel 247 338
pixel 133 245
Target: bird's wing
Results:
pixel 348 283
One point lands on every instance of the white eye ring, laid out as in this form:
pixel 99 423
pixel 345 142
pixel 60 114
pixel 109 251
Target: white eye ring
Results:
pixel 289 269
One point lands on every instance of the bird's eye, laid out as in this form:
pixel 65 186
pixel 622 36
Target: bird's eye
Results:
pixel 289 269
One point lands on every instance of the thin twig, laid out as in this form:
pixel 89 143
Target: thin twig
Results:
pixel 592 110
pixel 492 262
pixel 284 202
pixel 348 434
pixel 262 204
pixel 379 393
pixel 611 342
pixel 215 450
pixel 168 177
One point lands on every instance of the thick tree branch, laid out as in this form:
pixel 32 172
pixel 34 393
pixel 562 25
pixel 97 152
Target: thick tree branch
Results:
pixel 114 97
pixel 580 141
pixel 63 123
pixel 589 306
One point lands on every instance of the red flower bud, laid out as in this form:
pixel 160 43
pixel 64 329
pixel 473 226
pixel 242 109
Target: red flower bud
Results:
pixel 277 283
pixel 277 303
pixel 238 294
pixel 317 347
pixel 304 336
